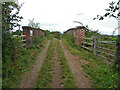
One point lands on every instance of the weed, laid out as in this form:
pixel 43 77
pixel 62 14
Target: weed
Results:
pixel 102 75
pixel 45 74
pixel 14 71
pixel 66 72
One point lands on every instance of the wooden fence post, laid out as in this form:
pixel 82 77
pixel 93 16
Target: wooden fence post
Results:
pixel 117 51
pixel 95 45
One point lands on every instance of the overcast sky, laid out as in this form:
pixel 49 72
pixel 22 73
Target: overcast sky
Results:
pixel 58 15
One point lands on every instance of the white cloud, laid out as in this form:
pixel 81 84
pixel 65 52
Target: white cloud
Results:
pixel 60 14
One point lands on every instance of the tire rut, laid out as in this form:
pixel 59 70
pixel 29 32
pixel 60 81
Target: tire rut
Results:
pixel 30 80
pixel 76 69
pixel 57 71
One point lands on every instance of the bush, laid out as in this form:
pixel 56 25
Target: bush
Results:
pixel 18 60
pixel 11 47
pixel 11 51
pixel 57 35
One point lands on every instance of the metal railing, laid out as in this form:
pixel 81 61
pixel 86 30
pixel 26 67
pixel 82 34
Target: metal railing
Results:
pixel 104 49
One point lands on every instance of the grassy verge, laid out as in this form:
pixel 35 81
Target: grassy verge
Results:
pixel 66 72
pixel 102 75
pixel 45 74
pixel 16 70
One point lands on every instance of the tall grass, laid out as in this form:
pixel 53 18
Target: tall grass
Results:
pixel 68 80
pixel 14 71
pixel 45 74
pixel 101 74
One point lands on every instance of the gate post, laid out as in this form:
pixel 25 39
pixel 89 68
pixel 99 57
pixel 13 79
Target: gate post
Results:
pixel 95 45
pixel 117 51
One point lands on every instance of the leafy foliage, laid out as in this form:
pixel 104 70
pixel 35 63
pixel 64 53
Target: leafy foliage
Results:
pixel 10 19
pixel 56 34
pixel 15 70
pixel 12 49
pixel 48 35
pixel 111 11
pixel 90 33
pixel 10 46
pixel 33 24
pixel 69 39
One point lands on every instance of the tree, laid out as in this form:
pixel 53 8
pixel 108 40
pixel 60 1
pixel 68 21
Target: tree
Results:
pixel 9 19
pixel 10 45
pixel 111 11
pixel 33 24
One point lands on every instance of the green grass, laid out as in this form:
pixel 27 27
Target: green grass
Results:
pixel 102 75
pixel 14 72
pixel 45 74
pixel 66 72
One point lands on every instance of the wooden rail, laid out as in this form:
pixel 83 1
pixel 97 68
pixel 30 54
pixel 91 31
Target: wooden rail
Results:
pixel 22 40
pixel 91 44
pixel 86 48
pixel 89 38
pixel 88 45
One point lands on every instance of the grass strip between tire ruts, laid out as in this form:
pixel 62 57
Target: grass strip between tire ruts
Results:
pixel 66 74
